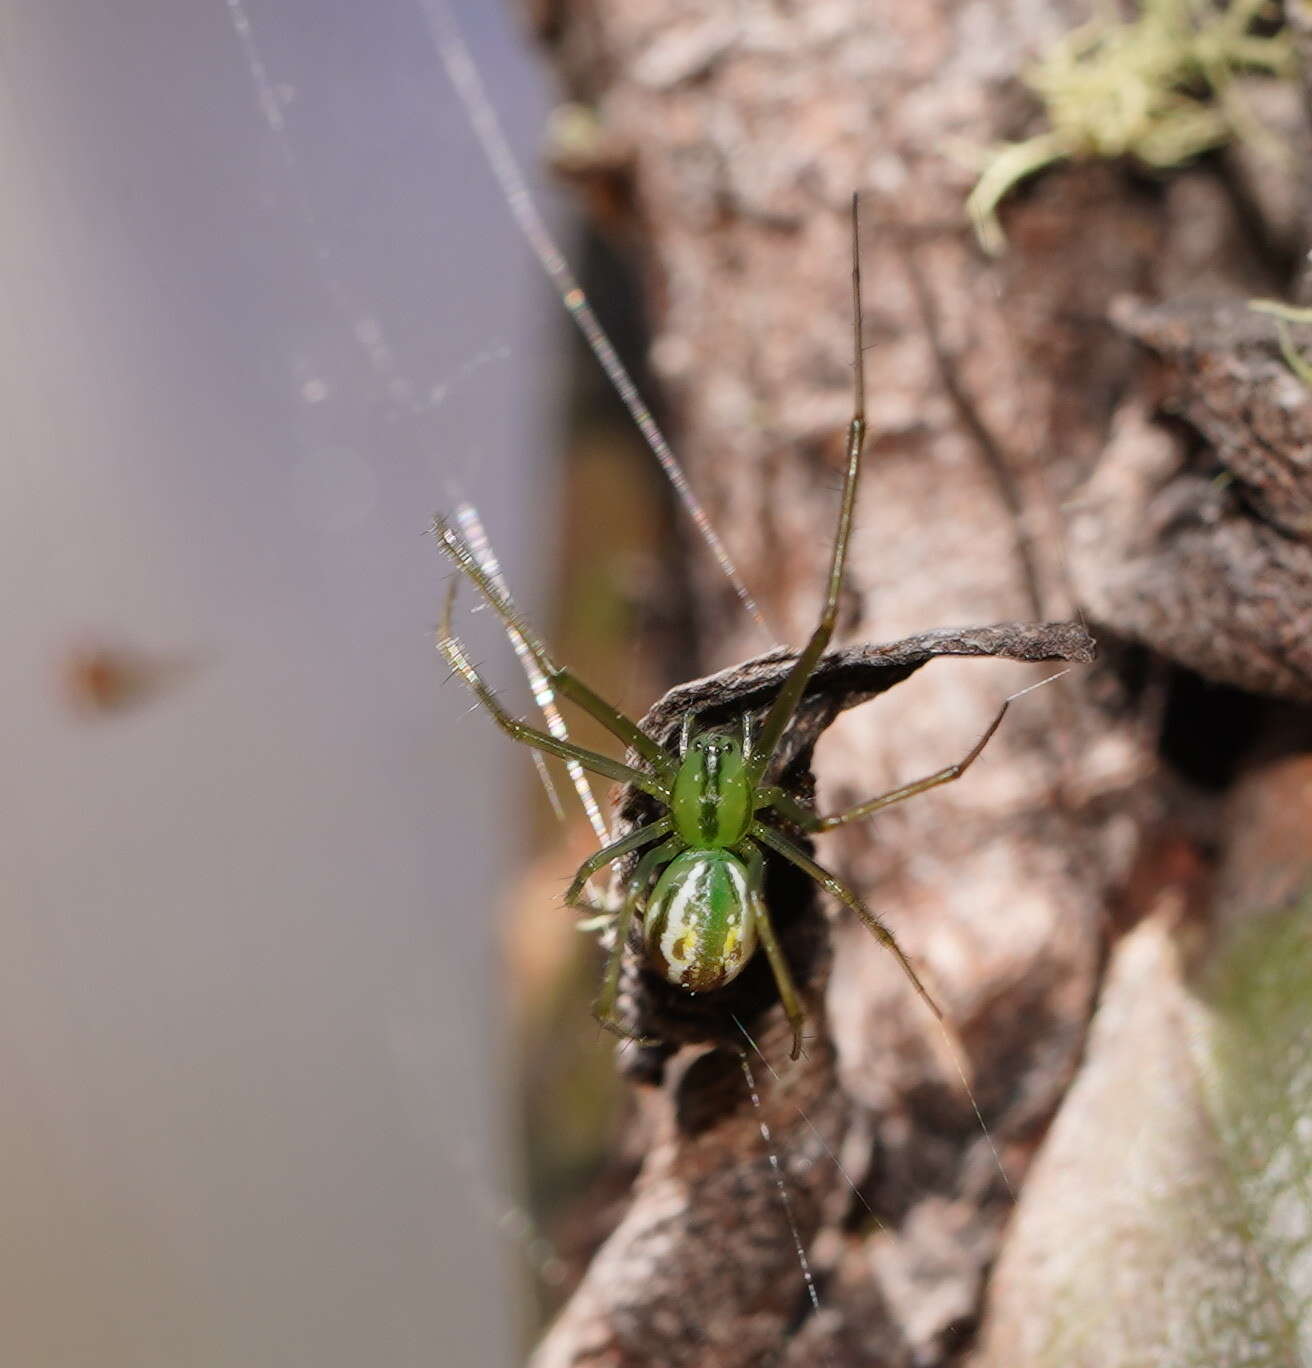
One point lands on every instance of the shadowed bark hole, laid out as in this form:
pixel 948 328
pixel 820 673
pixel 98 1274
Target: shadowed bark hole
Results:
pixel 1229 718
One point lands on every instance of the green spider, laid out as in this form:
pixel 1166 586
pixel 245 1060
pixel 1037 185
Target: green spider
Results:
pixel 700 878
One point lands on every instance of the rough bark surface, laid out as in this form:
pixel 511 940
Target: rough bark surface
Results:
pixel 1206 555
pixel 1004 399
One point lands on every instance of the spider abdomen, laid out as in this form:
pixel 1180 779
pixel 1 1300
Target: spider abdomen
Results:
pixel 700 923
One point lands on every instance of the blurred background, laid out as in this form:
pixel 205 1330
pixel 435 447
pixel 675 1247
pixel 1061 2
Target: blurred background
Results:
pixel 266 312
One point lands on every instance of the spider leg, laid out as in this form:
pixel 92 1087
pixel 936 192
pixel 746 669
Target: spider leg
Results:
pixel 783 978
pixel 790 693
pixel 564 681
pixel 944 776
pixel 771 796
pixel 458 658
pixel 604 1010
pixel 639 837
pixel 781 845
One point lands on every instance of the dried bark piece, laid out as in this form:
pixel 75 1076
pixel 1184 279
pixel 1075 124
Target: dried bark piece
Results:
pixel 1224 375
pixel 1215 574
pixel 850 675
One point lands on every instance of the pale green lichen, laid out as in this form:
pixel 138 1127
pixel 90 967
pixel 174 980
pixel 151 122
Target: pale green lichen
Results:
pixel 1158 88
pixel 1284 315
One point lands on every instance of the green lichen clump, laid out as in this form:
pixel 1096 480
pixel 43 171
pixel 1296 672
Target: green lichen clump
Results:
pixel 1159 88
pixel 1284 315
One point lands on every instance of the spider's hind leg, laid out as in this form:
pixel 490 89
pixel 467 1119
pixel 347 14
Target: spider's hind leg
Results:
pixel 781 845
pixel 604 1010
pixel 783 977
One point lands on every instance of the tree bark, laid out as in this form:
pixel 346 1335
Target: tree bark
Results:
pixel 1020 467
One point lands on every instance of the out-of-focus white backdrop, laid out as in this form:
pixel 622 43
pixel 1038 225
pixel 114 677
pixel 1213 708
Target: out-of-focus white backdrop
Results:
pixel 250 1077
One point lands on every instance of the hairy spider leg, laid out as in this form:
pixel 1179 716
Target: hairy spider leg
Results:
pixel 563 680
pixel 799 813
pixel 639 881
pixel 790 694
pixel 458 658
pixel 640 836
pixel 783 846
pixel 754 857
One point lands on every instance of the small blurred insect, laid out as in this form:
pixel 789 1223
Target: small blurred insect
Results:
pixel 102 679
pixel 699 882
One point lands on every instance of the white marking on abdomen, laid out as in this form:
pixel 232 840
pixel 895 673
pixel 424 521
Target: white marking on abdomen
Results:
pixel 678 926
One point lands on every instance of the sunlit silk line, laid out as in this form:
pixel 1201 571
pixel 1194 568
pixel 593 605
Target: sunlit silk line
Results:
pixel 510 1220
pixel 954 1053
pixel 411 1053
pixel 464 76
pixel 1038 684
pixel 473 531
pixel 264 87
pixel 540 764
pixel 811 1126
pixel 803 1262
pixel 471 528
pixel 366 330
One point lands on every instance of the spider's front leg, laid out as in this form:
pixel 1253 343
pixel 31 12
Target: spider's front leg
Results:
pixel 562 679
pixel 457 657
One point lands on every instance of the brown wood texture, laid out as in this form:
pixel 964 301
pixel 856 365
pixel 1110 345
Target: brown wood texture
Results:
pixel 1022 466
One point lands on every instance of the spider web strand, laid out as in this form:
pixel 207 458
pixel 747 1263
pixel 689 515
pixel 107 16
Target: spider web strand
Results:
pixel 468 83
pixel 803 1262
